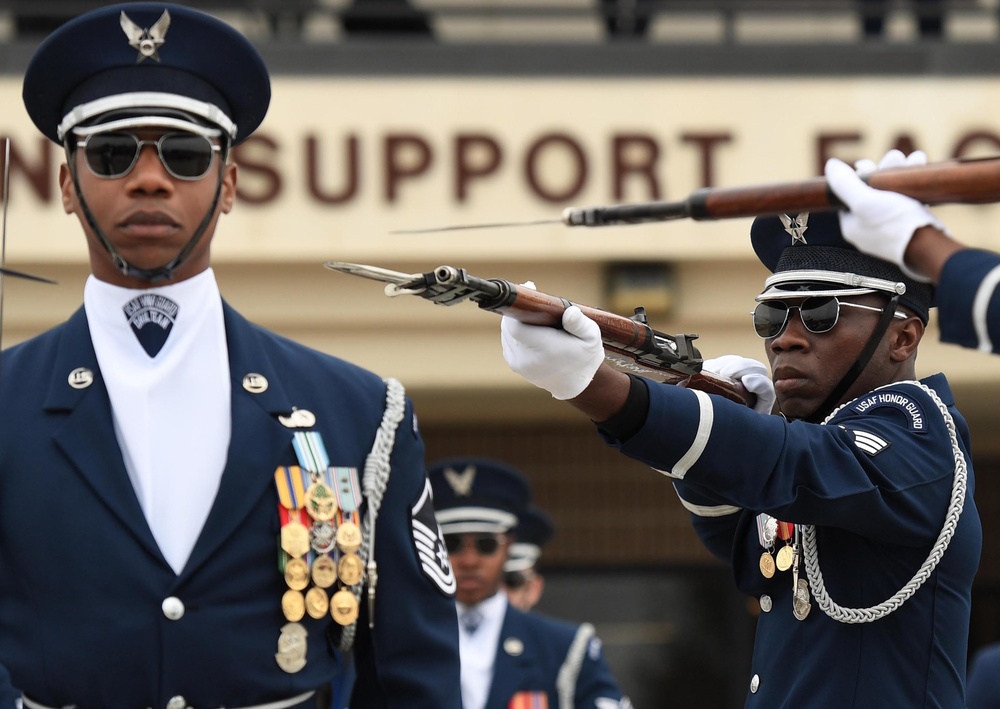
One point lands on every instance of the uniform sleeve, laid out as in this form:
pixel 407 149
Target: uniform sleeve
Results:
pixel 983 691
pixel 968 299
pixel 411 658
pixel 883 466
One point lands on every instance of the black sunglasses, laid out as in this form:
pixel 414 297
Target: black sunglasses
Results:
pixel 484 544
pixel 515 579
pixel 819 314
pixel 186 156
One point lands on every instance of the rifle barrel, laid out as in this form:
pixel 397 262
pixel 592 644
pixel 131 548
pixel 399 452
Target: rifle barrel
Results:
pixel 959 181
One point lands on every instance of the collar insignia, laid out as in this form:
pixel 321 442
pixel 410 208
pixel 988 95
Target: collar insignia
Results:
pixel 796 226
pixel 461 483
pixel 146 40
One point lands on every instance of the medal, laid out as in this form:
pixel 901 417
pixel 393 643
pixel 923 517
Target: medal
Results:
pixel 317 604
pixel 296 574
pixel 783 559
pixel 767 564
pixel 291 655
pixel 800 600
pixel 350 569
pixel 295 538
pixel 324 571
pixel 344 607
pixel 348 537
pixel 323 537
pixel 321 504
pixel 293 605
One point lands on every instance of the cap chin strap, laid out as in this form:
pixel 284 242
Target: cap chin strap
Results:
pixel 161 273
pixel 859 364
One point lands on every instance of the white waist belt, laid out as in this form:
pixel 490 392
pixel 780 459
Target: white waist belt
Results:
pixel 180 703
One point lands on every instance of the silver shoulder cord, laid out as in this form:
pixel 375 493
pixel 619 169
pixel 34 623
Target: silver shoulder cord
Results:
pixel 955 506
pixel 373 484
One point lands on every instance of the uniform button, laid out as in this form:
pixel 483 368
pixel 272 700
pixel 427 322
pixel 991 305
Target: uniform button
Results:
pixel 177 702
pixel 754 684
pixel 174 610
pixel 765 603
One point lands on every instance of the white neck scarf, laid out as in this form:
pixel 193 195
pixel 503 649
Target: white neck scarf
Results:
pixel 172 413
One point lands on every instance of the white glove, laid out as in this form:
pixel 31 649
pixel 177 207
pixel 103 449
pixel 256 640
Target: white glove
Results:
pixel 893 158
pixel 750 372
pixel 879 223
pixel 563 362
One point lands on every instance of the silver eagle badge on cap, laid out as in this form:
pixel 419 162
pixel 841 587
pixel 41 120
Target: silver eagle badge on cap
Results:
pixel 147 41
pixel 796 226
pixel 461 483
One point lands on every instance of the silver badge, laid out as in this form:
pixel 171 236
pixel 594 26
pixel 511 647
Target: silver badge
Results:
pixel 513 646
pixel 796 226
pixel 800 602
pixel 291 655
pixel 461 483
pixel 255 383
pixel 147 41
pixel 81 378
pixel 299 418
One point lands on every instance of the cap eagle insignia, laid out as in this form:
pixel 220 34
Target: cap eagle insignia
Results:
pixel 461 483
pixel 796 226
pixel 146 40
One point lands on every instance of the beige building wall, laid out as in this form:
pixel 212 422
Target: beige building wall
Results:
pixel 341 163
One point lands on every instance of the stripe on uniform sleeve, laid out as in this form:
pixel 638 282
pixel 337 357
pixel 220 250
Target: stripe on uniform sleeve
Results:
pixel 701 436
pixel 979 307
pixel 707 510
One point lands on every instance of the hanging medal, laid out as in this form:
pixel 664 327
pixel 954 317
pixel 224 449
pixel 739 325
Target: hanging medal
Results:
pixel 800 587
pixel 291 494
pixel 344 607
pixel 767 527
pixel 783 559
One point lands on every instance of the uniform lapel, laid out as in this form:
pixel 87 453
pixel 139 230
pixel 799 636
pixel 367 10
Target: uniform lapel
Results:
pixel 87 438
pixel 513 661
pixel 259 442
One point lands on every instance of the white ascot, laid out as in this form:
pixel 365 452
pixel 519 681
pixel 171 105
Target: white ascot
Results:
pixel 478 649
pixel 171 413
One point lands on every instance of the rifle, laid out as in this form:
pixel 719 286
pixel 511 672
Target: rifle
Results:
pixel 958 181
pixel 630 345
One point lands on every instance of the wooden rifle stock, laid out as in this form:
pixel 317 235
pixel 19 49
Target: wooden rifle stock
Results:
pixel 630 344
pixel 959 181
pixel 625 339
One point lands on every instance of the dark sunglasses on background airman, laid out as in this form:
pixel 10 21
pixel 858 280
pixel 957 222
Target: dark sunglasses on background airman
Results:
pixel 186 156
pixel 819 314
pixel 484 544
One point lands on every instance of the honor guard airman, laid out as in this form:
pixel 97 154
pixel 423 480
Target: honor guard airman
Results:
pixel 511 659
pixel 194 511
pixel 522 580
pixel 850 516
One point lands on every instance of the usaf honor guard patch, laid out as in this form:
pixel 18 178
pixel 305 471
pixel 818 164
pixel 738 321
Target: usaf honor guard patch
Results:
pixel 430 544
pixel 151 318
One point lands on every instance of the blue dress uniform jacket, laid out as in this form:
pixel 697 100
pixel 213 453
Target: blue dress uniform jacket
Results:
pixel 876 483
pixel 969 300
pixel 82 580
pixel 533 651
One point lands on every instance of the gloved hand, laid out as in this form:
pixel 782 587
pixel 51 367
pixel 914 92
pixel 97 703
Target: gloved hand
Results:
pixel 750 372
pixel 893 158
pixel 563 362
pixel 879 223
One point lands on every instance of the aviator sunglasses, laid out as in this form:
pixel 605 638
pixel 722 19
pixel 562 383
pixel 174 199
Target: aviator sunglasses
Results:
pixel 186 156
pixel 484 544
pixel 819 314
